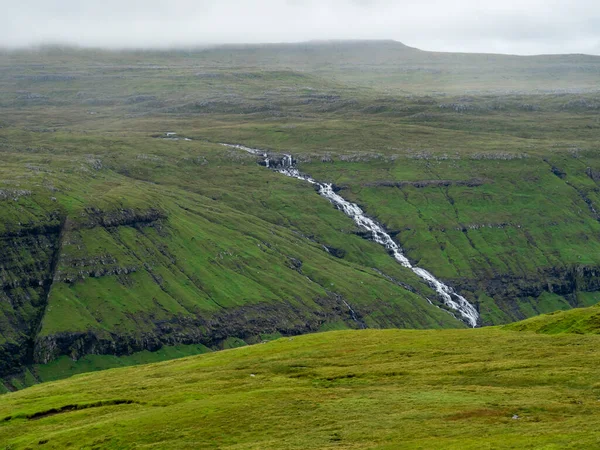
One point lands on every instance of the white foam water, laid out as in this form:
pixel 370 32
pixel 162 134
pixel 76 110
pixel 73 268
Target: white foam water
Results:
pixel 448 296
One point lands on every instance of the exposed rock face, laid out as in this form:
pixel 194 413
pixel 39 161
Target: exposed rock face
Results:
pixel 246 322
pixel 31 261
pixel 27 261
pixel 429 183
pixel 559 173
pixel 12 358
pixel 593 174
pixel 337 252
pixel 277 161
pixel 13 194
pixel 122 217
pixel 507 291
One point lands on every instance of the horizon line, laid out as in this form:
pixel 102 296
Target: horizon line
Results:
pixel 48 46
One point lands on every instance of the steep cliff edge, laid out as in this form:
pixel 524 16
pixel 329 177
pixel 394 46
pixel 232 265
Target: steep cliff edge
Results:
pixel 28 257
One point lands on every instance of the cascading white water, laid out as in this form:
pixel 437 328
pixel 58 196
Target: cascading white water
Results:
pixel 378 234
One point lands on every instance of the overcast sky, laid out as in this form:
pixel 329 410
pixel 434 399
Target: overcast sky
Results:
pixel 506 26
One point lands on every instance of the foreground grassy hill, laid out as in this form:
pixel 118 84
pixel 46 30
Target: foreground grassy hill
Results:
pixel 484 388
pixel 577 321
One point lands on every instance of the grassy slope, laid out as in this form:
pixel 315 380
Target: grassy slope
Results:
pixel 578 321
pixel 214 249
pixel 349 389
pixel 522 222
pixel 379 65
pixel 527 223
pixel 63 112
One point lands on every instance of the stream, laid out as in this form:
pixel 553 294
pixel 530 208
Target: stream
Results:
pixel 447 295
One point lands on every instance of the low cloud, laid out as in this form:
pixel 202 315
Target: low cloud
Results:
pixel 508 26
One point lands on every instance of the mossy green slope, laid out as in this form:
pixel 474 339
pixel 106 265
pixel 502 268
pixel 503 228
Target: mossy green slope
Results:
pixel 166 247
pixel 510 221
pixel 377 65
pixel 577 321
pixel 511 230
pixel 485 388
pixel 115 240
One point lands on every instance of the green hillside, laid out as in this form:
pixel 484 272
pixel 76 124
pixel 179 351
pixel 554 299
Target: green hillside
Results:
pixel 381 66
pixel 577 321
pixel 462 389
pixel 131 251
pixel 121 244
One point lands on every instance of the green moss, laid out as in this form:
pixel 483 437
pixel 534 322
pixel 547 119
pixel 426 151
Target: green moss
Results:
pixel 65 367
pixel 233 343
pixel 360 389
pixel 516 221
pixel 576 321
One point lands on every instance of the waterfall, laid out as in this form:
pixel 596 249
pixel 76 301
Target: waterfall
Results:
pixel 447 295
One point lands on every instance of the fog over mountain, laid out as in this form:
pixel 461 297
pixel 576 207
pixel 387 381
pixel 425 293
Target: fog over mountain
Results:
pixel 507 26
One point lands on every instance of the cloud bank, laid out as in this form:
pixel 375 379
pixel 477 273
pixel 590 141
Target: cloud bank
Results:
pixel 504 26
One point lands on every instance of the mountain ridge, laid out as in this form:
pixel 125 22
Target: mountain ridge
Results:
pixel 316 44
